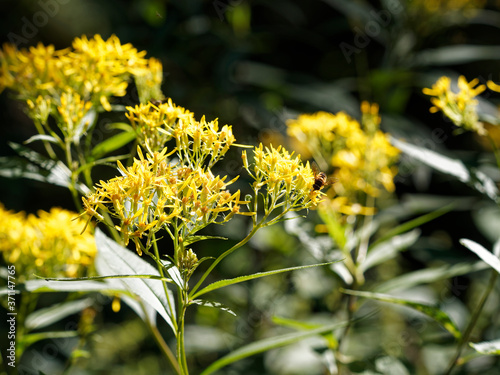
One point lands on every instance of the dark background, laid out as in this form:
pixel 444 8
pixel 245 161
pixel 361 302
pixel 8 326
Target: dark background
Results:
pixel 253 64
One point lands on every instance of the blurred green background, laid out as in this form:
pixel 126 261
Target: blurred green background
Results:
pixel 254 64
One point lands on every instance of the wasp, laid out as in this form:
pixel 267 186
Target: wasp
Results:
pixel 320 179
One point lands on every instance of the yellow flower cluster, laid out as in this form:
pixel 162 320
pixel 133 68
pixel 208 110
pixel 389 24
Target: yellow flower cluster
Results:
pixel 458 107
pixel 149 81
pixel 362 155
pixel 153 194
pixel 95 68
pixel 288 182
pixel 68 83
pixel 437 6
pixel 199 144
pixel 155 124
pixel 49 245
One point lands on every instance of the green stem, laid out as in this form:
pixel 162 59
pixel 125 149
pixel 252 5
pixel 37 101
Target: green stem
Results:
pixel 72 186
pixel 165 287
pixel 46 144
pixel 472 323
pixel 181 350
pixel 226 253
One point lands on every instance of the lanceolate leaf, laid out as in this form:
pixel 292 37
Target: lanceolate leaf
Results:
pixel 37 167
pixel 429 275
pixel 431 311
pixel 473 177
pixel 113 143
pixel 44 317
pixel 217 305
pixel 41 137
pixel 193 239
pixel 268 344
pixel 388 249
pixel 482 253
pixel 113 259
pixel 487 347
pixel 236 280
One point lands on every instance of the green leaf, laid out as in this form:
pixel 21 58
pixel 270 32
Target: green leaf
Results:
pixel 454 167
pixel 409 225
pixel 41 286
pixel 41 137
pixel 44 317
pixel 120 126
pixel 31 338
pixel 296 324
pixel 431 311
pixel 336 229
pixel 389 249
pixel 268 344
pixel 222 283
pixel 496 248
pixel 482 253
pixel 113 259
pixel 113 143
pixel 487 347
pixel 390 365
pixel 192 239
pixel 216 305
pixel 40 169
pixel 429 275
pixel 456 54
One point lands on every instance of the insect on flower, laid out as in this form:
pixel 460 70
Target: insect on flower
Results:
pixel 320 179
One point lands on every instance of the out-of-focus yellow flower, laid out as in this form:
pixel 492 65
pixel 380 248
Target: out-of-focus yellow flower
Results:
pixel 94 68
pixel 48 245
pixel 460 107
pixel 149 81
pixel 361 154
pixel 287 181
pixel 72 111
pixel 437 6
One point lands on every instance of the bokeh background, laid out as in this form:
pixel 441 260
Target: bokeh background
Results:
pixel 254 64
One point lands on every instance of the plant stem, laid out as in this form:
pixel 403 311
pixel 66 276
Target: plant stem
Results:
pixel 472 323
pixel 165 287
pixel 227 252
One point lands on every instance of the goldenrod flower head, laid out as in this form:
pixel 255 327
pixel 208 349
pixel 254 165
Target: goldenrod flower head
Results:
pixel 360 153
pixel 284 177
pixel 152 195
pixel 40 109
pixel 73 110
pixel 149 81
pixel 155 124
pixel 47 245
pixel 95 68
pixel 459 107
pixel 440 6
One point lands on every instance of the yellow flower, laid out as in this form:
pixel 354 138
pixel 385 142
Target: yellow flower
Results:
pixel 94 68
pixel 152 195
pixel 288 182
pixel 155 124
pixel 73 115
pixel 149 81
pixel 459 107
pixel 48 245
pixel 360 153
